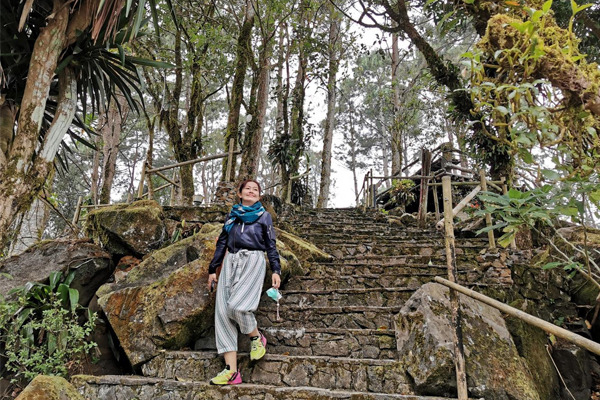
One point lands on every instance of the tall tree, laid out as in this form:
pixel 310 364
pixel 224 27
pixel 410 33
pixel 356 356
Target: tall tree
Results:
pixel 273 14
pixel 334 53
pixel 243 55
pixel 36 36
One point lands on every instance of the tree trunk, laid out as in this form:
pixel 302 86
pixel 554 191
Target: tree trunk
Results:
pixel 396 139
pixel 334 62
pixel 111 133
pixel 26 169
pixel 95 175
pixel 8 114
pixel 243 53
pixel 255 131
pixel 296 142
pixel 31 224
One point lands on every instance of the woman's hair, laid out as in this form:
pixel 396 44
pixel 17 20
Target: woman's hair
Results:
pixel 244 183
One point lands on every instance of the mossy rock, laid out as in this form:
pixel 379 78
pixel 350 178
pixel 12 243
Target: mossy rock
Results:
pixel 304 250
pixel 128 229
pixel 162 303
pixel 44 387
pixel 495 371
pixel 531 344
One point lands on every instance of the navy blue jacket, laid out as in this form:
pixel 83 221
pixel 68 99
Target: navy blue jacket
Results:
pixel 259 235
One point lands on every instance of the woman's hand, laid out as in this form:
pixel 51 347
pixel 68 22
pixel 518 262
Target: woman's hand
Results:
pixel 276 280
pixel 212 280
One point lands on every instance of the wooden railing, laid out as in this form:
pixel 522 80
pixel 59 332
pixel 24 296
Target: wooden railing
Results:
pixel 431 180
pixel 148 171
pixel 455 288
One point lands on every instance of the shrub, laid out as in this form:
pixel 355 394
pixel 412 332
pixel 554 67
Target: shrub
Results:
pixel 40 331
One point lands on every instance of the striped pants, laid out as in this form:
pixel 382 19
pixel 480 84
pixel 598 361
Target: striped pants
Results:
pixel 238 293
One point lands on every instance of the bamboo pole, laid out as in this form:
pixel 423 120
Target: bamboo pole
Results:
pixel 195 161
pixel 424 189
pixel 229 160
pixel 77 210
pixel 523 316
pixel 166 178
pixel 513 244
pixel 372 190
pixel 172 197
pixel 459 206
pixel 488 217
pixel 436 203
pixel 459 354
pixel 469 183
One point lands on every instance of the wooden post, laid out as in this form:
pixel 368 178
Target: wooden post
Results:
pixel 523 316
pixel 513 244
pixel 424 189
pixel 488 217
pixel 436 203
pixel 371 193
pixel 77 210
pixel 459 354
pixel 172 199
pixel 140 192
pixel 229 160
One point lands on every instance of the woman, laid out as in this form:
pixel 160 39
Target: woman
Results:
pixel 246 235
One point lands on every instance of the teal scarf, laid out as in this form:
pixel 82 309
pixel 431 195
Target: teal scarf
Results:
pixel 246 214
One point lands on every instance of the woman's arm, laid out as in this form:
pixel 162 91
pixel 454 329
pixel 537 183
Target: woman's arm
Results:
pixel 271 249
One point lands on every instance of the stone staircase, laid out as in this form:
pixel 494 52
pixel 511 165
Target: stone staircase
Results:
pixel 335 338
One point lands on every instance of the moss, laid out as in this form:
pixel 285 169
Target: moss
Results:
pixel 304 250
pixel 531 345
pixel 49 388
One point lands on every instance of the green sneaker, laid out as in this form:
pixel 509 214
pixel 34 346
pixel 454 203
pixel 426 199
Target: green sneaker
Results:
pixel 258 348
pixel 227 377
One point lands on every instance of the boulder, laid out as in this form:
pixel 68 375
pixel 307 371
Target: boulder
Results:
pixel 163 303
pixel 573 362
pixel 44 387
pixel 91 264
pixel 495 371
pixel 128 229
pixel 531 344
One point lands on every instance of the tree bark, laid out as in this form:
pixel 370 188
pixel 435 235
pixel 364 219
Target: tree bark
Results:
pixel 8 114
pixel 243 53
pixel 111 132
pixel 255 130
pixel 334 62
pixel 396 138
pixel 26 169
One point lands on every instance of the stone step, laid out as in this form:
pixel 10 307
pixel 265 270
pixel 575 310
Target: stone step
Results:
pixel 120 387
pixel 309 284
pixel 396 266
pixel 403 259
pixel 335 373
pixel 345 296
pixel 309 317
pixel 372 282
pixel 339 250
pixel 332 342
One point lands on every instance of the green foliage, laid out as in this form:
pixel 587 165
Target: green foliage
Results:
pixel 539 210
pixel 39 329
pixel 514 88
pixel 402 191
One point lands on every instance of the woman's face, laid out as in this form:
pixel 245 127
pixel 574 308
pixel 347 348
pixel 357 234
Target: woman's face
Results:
pixel 249 194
